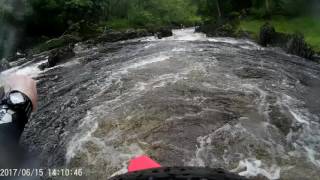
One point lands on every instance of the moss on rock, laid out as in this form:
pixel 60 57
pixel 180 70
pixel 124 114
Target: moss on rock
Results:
pixel 56 43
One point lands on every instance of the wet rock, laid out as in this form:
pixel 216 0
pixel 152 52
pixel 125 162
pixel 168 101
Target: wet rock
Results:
pixel 316 58
pixel 113 36
pixel 90 58
pixel 16 57
pixel 280 120
pixel 255 73
pixel 4 65
pixel 2 92
pixel 43 66
pixel 18 62
pixel 64 40
pixel 58 56
pixel 259 177
pixel 164 32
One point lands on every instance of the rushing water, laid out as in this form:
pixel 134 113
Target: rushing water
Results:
pixel 183 100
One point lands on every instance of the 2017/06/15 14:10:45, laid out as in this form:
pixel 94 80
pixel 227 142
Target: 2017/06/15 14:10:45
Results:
pixel 65 172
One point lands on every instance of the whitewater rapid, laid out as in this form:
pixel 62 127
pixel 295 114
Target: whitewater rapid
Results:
pixel 185 100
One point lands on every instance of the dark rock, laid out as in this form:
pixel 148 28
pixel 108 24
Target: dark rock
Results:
pixel 2 92
pixel 298 46
pixel 267 34
pixel 16 57
pixel 259 177
pixel 62 41
pixel 4 65
pixel 281 120
pixel 269 37
pixel 43 66
pixel 18 62
pixel 252 73
pixel 58 56
pixel 222 29
pixel 164 32
pixel 197 29
pixel 113 36
pixel 316 58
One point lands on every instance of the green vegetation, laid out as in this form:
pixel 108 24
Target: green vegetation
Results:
pixel 309 26
pixel 107 13
pixel 287 16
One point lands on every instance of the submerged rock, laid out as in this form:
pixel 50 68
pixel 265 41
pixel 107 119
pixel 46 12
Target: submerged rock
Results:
pixel 252 73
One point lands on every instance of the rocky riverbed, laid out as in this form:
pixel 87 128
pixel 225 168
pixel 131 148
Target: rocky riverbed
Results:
pixel 183 100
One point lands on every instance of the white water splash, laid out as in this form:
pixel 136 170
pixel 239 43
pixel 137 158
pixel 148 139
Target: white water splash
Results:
pixel 31 70
pixel 147 61
pixel 88 126
pixel 189 34
pixel 253 167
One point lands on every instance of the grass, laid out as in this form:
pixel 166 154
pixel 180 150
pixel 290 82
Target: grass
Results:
pixel 309 26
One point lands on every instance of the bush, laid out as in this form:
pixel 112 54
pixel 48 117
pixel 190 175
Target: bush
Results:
pixel 298 46
pixel 140 17
pixel 225 30
pixel 260 13
pixel 234 19
pixel 267 34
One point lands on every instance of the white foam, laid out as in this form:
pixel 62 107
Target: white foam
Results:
pixel 308 138
pixel 297 113
pixel 31 70
pixel 88 127
pixel 179 49
pixel 149 46
pixel 187 34
pixel 312 156
pixel 144 62
pixel 253 167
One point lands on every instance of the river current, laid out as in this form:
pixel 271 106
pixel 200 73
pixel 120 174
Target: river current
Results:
pixel 185 100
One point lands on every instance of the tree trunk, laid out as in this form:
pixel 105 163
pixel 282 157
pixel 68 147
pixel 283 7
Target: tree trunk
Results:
pixel 267 5
pixel 218 9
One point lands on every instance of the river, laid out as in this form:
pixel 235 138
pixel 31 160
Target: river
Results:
pixel 185 100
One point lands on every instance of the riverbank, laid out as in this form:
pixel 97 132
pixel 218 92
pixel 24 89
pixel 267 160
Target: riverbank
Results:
pixel 309 26
pixel 292 35
pixel 61 47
